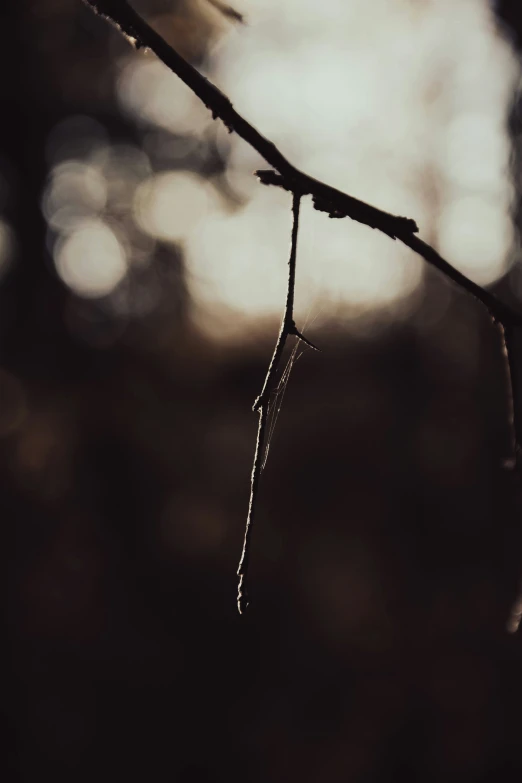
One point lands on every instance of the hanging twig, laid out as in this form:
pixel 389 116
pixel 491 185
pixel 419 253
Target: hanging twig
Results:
pixel 288 328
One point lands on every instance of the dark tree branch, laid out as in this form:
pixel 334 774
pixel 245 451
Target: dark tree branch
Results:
pixel 497 309
pixel 327 199
pixel 287 329
pixel 511 344
pixel 287 324
pixel 134 27
pixel 242 571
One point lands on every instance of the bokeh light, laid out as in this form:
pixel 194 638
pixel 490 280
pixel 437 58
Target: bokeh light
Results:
pixel 476 233
pixel 125 166
pixel 170 205
pixel 88 206
pixel 149 93
pixel 91 260
pixel 76 190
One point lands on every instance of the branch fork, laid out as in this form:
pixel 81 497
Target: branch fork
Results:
pixel 326 199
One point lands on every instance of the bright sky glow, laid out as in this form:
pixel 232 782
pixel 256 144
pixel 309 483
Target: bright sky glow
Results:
pixel 476 235
pixel 76 190
pixel 170 205
pixel 407 113
pixel 148 91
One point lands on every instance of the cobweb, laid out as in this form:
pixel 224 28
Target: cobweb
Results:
pixel 277 396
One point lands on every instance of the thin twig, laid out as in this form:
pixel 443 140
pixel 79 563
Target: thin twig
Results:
pixel 242 571
pixel 514 401
pixel 497 309
pixel 288 328
pixel 287 324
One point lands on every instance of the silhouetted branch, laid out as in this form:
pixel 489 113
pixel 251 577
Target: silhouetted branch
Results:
pixel 325 198
pixel 497 309
pixel 287 329
pixel 134 27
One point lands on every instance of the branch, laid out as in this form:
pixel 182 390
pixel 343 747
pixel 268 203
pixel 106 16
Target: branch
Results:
pixel 287 329
pixel 325 198
pixel 497 309
pixel 120 13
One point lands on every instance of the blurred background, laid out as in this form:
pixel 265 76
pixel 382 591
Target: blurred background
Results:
pixel 142 278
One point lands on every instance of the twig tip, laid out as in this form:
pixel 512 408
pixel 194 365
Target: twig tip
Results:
pixel 295 331
pixel 242 597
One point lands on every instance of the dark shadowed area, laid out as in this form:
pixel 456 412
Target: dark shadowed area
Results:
pixel 388 542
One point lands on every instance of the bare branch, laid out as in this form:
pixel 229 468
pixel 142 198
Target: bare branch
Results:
pixel 288 328
pixel 126 19
pixel 287 324
pixel 325 198
pixel 242 571
pixel 497 309
pixel 511 338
